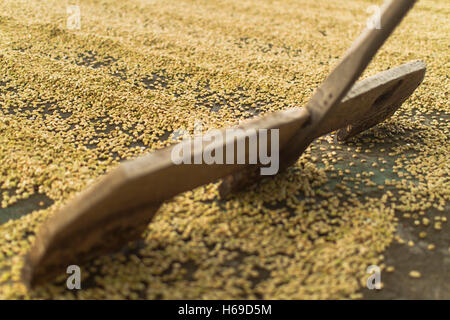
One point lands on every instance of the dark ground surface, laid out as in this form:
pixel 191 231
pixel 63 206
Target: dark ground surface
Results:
pixel 434 265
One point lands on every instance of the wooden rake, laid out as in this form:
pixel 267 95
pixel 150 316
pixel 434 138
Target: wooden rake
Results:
pixel 120 205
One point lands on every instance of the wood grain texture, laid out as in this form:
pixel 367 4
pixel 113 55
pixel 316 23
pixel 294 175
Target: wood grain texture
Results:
pixel 374 99
pixel 369 102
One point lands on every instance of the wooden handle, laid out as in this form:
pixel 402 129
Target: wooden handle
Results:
pixel 355 61
pixel 330 93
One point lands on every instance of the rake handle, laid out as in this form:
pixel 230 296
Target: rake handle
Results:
pixel 327 97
